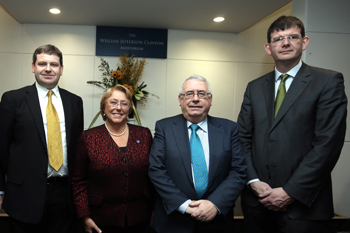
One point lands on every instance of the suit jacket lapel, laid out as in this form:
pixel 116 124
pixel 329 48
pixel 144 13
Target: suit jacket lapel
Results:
pixel 268 88
pixel 300 82
pixel 216 134
pixel 34 106
pixel 67 114
pixel 180 132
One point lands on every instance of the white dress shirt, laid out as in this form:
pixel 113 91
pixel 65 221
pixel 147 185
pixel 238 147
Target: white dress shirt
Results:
pixel 292 73
pixel 202 132
pixel 57 102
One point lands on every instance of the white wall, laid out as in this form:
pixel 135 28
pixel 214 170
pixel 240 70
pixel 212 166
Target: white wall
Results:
pixel 252 60
pixel 329 33
pixel 10 53
pixel 211 55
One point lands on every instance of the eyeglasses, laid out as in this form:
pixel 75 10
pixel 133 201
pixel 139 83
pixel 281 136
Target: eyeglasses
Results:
pixel 122 104
pixel 200 94
pixel 291 38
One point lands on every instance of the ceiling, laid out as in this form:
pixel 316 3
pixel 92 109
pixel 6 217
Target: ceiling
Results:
pixel 164 14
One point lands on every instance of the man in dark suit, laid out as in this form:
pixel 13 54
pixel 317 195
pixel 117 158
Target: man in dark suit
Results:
pixel 291 145
pixel 35 189
pixel 183 204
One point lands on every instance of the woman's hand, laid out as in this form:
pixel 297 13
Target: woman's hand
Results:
pixel 89 224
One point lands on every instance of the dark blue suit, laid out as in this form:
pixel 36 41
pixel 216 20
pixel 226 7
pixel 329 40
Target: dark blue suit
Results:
pixel 170 172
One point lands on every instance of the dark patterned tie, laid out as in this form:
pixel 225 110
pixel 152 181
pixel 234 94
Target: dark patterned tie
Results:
pixel 281 93
pixel 199 165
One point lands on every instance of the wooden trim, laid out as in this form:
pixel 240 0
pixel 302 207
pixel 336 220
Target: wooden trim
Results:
pixel 336 216
pixel 3 215
pixel 339 216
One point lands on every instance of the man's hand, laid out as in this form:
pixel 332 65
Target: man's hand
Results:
pixel 277 200
pixel 89 224
pixel 260 188
pixel 190 209
pixel 202 210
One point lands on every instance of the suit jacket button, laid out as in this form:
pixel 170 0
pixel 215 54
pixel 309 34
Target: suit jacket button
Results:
pixel 126 174
pixel 267 167
pixel 124 159
pixel 124 201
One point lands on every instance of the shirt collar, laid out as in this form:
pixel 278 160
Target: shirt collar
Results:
pixel 42 91
pixel 203 124
pixel 292 72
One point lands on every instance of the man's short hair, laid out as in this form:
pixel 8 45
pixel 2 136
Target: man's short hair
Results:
pixel 50 50
pixel 197 77
pixel 285 22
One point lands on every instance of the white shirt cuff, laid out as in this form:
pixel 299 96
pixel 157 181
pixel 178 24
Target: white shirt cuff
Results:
pixel 182 209
pixel 253 180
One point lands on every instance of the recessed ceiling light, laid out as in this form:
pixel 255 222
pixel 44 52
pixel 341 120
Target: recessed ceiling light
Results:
pixel 219 19
pixel 55 11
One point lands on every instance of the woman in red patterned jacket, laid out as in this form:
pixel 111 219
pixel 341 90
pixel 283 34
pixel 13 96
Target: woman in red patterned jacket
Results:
pixel 111 188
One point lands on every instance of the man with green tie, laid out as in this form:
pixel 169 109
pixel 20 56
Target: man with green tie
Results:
pixel 292 128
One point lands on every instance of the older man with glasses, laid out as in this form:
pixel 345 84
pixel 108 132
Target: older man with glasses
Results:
pixel 196 165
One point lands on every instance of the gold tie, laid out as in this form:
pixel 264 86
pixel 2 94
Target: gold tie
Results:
pixel 281 93
pixel 54 135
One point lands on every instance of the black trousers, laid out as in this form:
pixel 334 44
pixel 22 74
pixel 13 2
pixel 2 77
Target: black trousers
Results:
pixel 218 225
pixel 142 227
pixel 57 216
pixel 261 220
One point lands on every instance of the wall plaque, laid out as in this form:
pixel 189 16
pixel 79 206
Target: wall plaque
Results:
pixel 141 42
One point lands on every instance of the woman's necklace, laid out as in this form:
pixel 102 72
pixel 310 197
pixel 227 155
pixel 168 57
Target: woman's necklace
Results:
pixel 117 135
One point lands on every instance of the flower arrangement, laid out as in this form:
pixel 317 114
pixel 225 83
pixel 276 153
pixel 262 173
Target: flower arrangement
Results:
pixel 127 74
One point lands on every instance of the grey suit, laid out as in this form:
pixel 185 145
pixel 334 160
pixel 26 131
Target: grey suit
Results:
pixel 299 148
pixel 170 172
